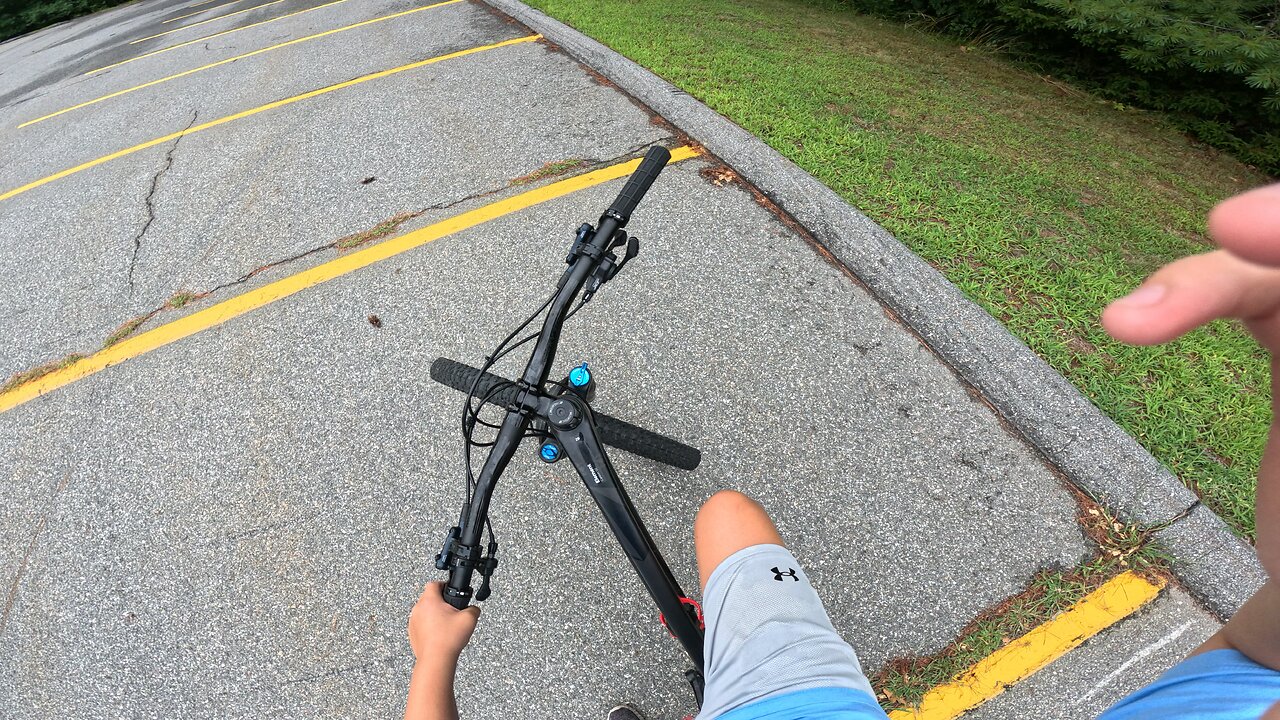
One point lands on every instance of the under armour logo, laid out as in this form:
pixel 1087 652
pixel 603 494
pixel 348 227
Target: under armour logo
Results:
pixel 778 574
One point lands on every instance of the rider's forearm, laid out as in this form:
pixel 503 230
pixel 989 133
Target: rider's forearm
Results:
pixel 1267 503
pixel 1255 629
pixel 431 691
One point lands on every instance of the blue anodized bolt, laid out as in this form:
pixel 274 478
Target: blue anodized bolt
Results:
pixel 580 376
pixel 550 451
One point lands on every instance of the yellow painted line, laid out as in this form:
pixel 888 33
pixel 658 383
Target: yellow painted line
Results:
pixel 215 8
pixel 342 265
pixel 254 111
pixel 1117 599
pixel 206 38
pixel 202 68
pixel 188 26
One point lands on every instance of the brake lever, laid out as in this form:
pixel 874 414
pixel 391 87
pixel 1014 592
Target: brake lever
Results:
pixel 487 566
pixel 448 557
pixel 444 558
pixel 610 266
pixel 633 249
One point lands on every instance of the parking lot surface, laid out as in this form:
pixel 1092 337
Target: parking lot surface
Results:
pixel 233 521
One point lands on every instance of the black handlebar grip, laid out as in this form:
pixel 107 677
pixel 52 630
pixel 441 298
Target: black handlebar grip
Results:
pixel 459 601
pixel 654 160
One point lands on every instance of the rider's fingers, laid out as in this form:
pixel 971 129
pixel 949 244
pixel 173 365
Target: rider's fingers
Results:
pixel 1190 292
pixel 1249 225
pixel 432 589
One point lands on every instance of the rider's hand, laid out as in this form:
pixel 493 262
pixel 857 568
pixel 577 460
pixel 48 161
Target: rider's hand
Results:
pixel 1242 280
pixel 437 630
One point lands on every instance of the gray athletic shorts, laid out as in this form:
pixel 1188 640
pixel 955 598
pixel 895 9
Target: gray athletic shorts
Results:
pixel 768 634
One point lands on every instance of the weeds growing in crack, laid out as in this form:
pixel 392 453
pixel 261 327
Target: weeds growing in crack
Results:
pixel 176 301
pixel 550 170
pixel 35 373
pixel 385 228
pixel 904 682
pixel 126 329
pixel 181 299
pixel 377 232
pixel 1125 545
pixel 392 225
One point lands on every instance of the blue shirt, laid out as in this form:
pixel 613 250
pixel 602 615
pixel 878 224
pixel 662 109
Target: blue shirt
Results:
pixel 1216 685
pixel 814 704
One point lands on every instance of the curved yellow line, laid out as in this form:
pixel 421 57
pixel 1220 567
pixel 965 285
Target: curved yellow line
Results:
pixel 280 289
pixel 225 61
pixel 254 111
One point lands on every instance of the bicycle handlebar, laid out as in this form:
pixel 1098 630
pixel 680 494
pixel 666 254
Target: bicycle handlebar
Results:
pixel 654 160
pixel 458 590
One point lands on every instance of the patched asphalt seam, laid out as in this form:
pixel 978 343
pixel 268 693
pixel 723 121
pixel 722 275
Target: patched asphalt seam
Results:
pixel 16 585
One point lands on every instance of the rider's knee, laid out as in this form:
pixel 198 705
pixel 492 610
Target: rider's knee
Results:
pixel 727 507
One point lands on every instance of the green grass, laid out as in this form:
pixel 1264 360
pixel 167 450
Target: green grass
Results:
pixel 903 683
pixel 18 17
pixel 181 299
pixel 387 227
pixel 1039 201
pixel 126 330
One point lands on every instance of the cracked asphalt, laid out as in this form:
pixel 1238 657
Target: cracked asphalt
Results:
pixel 236 524
pixel 150 202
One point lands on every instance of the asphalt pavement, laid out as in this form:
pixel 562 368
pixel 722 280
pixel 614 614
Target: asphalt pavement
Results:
pixel 235 524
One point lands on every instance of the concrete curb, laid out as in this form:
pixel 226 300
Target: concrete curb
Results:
pixel 1036 402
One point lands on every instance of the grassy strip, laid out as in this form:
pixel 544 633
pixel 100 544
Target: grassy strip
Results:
pixel 1038 200
pixel 904 682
